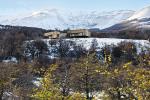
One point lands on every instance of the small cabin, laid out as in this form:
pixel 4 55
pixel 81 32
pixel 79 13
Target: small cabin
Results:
pixel 52 35
pixel 78 33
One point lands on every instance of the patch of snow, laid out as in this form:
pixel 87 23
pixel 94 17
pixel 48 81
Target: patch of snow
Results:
pixel 100 95
pixel 10 59
pixel 37 81
pixel 9 96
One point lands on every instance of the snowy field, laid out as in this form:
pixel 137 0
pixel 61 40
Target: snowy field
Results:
pixel 86 43
pixel 101 42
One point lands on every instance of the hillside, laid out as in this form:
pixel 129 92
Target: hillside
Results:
pixel 28 33
pixel 142 13
pixel 71 45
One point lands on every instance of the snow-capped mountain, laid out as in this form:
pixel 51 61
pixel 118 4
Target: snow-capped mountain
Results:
pixel 139 20
pixel 56 18
pixel 143 13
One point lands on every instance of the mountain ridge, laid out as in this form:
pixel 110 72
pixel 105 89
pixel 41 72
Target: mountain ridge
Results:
pixel 139 20
pixel 142 13
pixel 55 18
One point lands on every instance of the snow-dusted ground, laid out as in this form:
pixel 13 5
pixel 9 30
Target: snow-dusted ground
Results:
pixel 37 81
pixel 87 42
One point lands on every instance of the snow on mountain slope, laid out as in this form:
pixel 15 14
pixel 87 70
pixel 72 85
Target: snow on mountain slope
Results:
pixel 61 19
pixel 139 20
pixel 130 25
pixel 143 13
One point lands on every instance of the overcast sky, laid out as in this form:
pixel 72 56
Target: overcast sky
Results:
pixel 24 6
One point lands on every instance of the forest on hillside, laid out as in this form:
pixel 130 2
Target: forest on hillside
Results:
pixel 113 73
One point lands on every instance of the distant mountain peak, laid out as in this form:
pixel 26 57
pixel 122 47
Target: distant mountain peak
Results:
pixel 139 20
pixel 62 19
pixel 44 12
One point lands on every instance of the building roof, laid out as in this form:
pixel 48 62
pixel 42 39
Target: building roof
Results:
pixel 77 31
pixel 51 33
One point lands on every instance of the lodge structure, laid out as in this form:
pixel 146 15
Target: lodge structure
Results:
pixel 78 33
pixel 52 35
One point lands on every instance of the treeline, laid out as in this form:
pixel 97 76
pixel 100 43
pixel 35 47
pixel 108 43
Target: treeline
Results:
pixel 29 33
pixel 124 34
pixel 12 38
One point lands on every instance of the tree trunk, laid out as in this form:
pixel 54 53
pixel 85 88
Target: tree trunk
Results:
pixel 87 88
pixel 1 94
pixel 118 95
pixel 87 94
pixel 87 83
